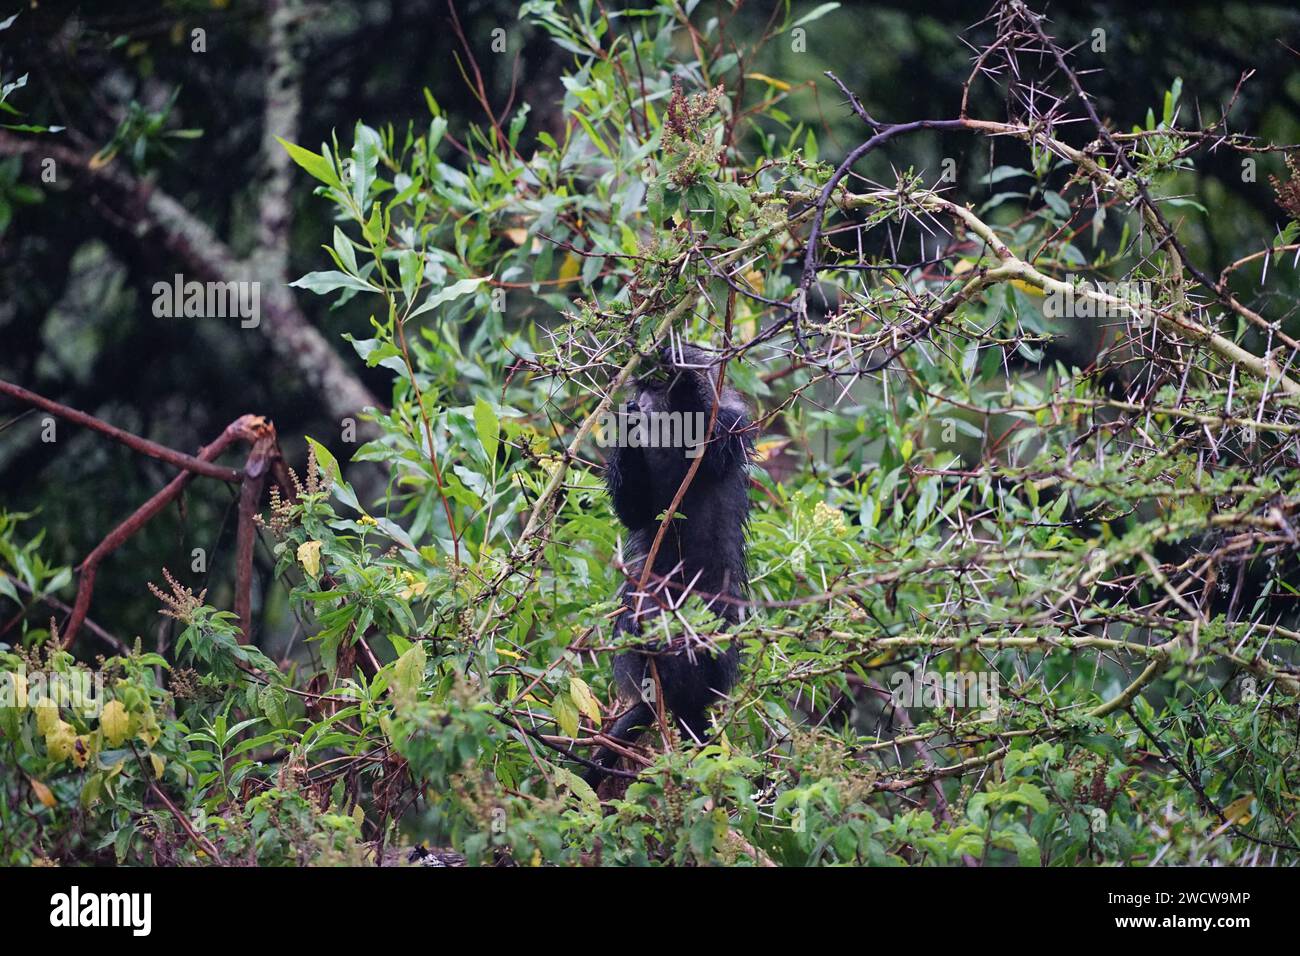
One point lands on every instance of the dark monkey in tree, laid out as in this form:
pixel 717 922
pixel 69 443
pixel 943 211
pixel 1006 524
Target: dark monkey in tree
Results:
pixel 703 551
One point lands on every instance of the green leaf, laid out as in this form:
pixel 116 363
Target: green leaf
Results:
pixel 347 254
pixel 408 672
pixel 365 159
pixel 816 14
pixel 314 163
pixel 448 294
pixel 488 428
pixel 325 282
pixel 328 463
pixel 410 267
pixel 999 173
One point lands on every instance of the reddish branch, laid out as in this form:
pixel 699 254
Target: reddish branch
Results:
pixel 143 445
pixel 263 459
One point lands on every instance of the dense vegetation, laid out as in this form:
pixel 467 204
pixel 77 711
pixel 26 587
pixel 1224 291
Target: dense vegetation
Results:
pixel 1020 450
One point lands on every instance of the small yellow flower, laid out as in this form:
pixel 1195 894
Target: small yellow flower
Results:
pixel 828 518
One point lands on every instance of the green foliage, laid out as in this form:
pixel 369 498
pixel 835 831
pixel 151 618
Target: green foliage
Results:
pixel 967 516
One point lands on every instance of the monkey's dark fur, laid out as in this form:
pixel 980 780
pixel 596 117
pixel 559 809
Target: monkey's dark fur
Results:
pixel 703 551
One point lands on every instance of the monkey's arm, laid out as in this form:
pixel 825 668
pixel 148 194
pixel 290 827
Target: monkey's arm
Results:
pixel 627 477
pixel 730 444
pixel 694 392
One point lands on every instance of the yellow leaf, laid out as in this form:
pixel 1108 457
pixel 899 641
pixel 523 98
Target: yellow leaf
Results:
pixel 146 728
pixel 566 714
pixel 42 792
pixel 781 85
pixel 115 722
pixel 769 448
pixel 584 699
pixel 1239 810
pixel 309 557
pixel 47 717
pixel 60 741
pixel 159 765
pixel 570 268
pixel 408 674
pixel 414 586
pixel 16 682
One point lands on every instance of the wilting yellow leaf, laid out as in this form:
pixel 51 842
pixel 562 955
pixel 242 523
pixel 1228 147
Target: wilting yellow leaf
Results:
pixel 517 236
pixel 43 793
pixel 115 722
pixel 146 728
pixel 309 557
pixel 81 750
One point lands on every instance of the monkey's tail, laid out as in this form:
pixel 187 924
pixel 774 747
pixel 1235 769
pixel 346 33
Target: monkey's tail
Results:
pixel 625 728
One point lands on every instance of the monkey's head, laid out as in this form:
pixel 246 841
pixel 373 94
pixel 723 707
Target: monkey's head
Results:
pixel 678 380
pixel 675 399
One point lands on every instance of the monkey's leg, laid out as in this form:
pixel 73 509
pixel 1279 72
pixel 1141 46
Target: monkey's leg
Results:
pixel 625 728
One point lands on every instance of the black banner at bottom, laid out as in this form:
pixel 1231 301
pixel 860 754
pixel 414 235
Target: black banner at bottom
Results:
pixel 138 907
